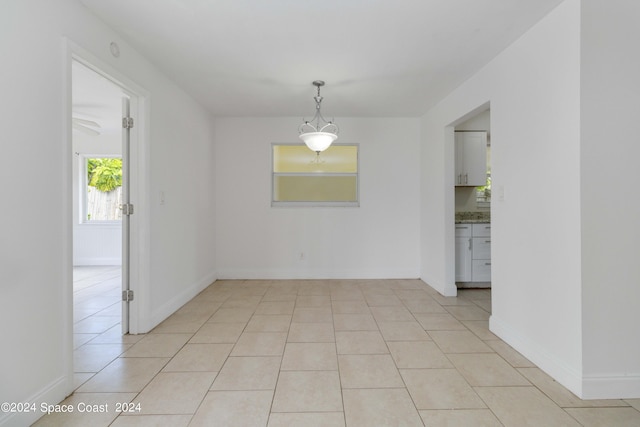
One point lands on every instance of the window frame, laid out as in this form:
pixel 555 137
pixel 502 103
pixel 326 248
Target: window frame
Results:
pixel 82 197
pixel 308 203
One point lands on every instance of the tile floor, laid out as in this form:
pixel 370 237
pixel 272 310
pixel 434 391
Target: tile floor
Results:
pixel 321 353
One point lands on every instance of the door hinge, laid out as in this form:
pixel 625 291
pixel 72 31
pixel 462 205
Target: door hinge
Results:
pixel 127 295
pixel 127 122
pixel 126 208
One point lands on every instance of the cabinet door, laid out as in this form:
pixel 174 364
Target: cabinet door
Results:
pixel 463 259
pixel 471 159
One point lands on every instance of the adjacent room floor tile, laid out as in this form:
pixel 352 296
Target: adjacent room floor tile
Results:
pixel 354 322
pixel 94 357
pixel 307 419
pixel 486 369
pixel 260 344
pixel 158 345
pixel 151 421
pixel 596 417
pixel 440 389
pixel 309 357
pixel 269 323
pixel 199 357
pixel 403 331
pixel 248 373
pixel 218 333
pixel 308 391
pixel 560 395
pixel 439 322
pixel 368 371
pixel 418 355
pixel 380 408
pixel 360 342
pixel 125 374
pixel 311 332
pixel 175 392
pixel 233 408
pixel 524 406
pixel 459 342
pixel 460 418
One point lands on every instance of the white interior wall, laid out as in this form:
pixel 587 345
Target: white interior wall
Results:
pixel 535 248
pixel 35 250
pixel 609 172
pixel 379 239
pixel 93 244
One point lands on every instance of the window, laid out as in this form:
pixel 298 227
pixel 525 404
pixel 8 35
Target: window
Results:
pixel 303 178
pixel 483 194
pixel 101 189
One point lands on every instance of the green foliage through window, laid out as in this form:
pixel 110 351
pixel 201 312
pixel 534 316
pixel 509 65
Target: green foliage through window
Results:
pixel 104 174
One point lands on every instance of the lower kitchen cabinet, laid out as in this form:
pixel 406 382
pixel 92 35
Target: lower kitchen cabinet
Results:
pixel 473 252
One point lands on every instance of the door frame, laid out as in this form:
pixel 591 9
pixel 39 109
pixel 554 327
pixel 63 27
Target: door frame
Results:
pixel 139 259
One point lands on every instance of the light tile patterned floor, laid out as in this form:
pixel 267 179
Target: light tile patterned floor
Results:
pixel 352 353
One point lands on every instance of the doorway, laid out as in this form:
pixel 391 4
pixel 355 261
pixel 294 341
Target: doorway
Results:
pixel 101 179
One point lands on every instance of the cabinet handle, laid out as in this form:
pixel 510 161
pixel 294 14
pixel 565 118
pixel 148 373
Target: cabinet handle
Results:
pixel 487 263
pixel 470 244
pixel 466 178
pixel 487 241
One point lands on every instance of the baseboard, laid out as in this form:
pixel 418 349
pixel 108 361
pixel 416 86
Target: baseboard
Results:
pixel 179 300
pixel 557 369
pixel 611 387
pixel 52 394
pixel 313 274
pixel 447 290
pixel 97 261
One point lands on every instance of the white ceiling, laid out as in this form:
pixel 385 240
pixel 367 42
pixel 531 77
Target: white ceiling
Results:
pixel 378 57
pixel 96 99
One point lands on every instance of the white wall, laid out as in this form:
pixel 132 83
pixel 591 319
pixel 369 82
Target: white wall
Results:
pixel 535 249
pixel 378 239
pixel 93 244
pixel 610 208
pixel 35 249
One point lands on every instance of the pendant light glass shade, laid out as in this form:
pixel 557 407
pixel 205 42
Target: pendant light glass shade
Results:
pixel 318 141
pixel 319 136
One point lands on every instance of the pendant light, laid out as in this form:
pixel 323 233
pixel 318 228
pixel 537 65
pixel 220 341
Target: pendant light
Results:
pixel 318 133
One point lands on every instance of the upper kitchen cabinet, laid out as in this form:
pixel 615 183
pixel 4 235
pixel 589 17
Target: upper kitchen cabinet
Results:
pixel 471 158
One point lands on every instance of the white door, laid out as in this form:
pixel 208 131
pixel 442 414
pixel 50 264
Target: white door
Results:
pixel 127 211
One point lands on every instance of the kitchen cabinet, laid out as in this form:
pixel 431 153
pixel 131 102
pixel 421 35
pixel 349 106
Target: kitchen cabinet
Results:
pixel 470 158
pixel 463 252
pixel 481 253
pixel 473 253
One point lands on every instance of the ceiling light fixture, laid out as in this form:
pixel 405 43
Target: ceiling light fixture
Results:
pixel 318 137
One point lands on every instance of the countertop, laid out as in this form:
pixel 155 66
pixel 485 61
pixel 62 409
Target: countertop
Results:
pixel 473 217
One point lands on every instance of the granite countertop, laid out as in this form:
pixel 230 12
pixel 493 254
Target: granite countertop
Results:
pixel 472 217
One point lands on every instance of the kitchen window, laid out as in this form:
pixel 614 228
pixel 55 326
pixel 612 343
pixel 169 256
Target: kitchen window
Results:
pixel 301 177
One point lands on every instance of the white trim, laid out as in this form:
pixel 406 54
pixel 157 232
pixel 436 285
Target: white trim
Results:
pixel 49 394
pixel 178 301
pixel 308 273
pixel 97 261
pixel 611 387
pixel 565 375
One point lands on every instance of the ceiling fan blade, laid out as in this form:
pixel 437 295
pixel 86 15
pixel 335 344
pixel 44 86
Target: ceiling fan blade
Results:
pixel 89 123
pixel 85 129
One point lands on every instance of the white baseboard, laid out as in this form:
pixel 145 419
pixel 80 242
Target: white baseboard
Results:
pixel 611 387
pixel 285 274
pixel 52 394
pixel 97 261
pixel 179 300
pixel 565 375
